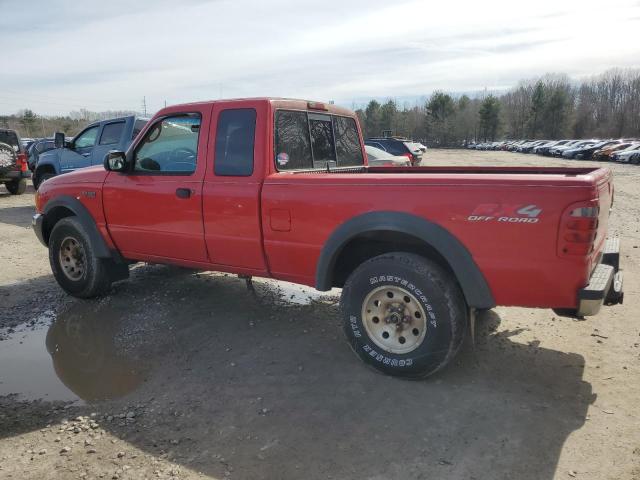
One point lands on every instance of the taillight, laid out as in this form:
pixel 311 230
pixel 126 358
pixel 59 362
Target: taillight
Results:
pixel 21 162
pixel 578 229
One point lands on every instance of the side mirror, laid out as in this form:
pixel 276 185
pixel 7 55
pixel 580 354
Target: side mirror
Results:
pixel 58 140
pixel 115 161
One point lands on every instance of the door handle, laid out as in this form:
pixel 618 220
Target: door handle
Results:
pixel 86 154
pixel 183 192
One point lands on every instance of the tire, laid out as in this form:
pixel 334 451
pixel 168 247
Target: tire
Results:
pixel 81 273
pixel 16 187
pixel 430 310
pixel 566 312
pixel 40 179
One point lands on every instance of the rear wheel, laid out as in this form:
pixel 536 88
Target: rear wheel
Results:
pixel 73 260
pixel 403 314
pixel 16 187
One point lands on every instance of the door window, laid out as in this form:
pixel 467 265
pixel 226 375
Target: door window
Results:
pixel 169 147
pixel 235 137
pixel 87 138
pixel 111 133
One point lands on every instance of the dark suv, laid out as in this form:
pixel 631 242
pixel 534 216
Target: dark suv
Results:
pixel 397 146
pixel 13 162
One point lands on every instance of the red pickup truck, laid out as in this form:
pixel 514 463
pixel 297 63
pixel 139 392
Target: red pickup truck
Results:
pixel 281 188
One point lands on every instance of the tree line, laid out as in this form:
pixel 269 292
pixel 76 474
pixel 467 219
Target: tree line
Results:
pixel 30 125
pixel 548 107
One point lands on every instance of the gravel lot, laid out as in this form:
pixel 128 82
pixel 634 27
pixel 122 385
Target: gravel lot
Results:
pixel 184 375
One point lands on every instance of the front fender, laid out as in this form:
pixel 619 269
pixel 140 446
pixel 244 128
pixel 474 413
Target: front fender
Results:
pixel 49 159
pixel 471 280
pixel 51 212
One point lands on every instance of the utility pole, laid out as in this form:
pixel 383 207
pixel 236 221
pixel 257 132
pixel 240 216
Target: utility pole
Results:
pixel 144 106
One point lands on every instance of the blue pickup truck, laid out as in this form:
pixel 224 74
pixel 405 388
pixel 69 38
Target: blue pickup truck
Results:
pixel 88 147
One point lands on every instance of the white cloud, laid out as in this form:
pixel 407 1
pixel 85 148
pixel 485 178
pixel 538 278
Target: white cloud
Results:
pixel 108 55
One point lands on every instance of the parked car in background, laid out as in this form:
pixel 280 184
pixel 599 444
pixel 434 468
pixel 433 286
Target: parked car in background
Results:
pixel 571 152
pixel 26 143
pixel 545 149
pixel 529 146
pixel 88 147
pixel 397 146
pixel 558 149
pixel 380 158
pixel 585 152
pixel 39 146
pixel 420 146
pixel 604 154
pixel 624 156
pixel 13 162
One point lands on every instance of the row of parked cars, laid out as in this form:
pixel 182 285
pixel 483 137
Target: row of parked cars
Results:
pixel 625 150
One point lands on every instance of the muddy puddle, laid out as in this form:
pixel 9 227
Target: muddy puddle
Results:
pixel 74 357
pixel 104 349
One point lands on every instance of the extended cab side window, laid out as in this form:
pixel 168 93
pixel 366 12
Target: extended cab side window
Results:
pixel 87 138
pixel 111 133
pixel 235 137
pixel 169 147
pixel 292 144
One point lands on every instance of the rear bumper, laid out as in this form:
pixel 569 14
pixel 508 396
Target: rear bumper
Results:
pixel 605 284
pixel 9 175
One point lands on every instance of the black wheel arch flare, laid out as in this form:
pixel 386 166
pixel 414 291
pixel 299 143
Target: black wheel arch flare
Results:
pixel 472 282
pixel 82 214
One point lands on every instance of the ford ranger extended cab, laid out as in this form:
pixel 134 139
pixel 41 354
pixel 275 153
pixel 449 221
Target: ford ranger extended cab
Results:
pixel 87 148
pixel 281 188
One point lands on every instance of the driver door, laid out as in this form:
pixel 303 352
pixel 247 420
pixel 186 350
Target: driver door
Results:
pixel 78 155
pixel 154 211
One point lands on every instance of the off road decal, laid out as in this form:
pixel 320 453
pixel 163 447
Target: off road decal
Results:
pixel 505 213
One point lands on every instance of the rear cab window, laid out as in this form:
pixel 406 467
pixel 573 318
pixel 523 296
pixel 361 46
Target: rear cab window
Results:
pixel 309 140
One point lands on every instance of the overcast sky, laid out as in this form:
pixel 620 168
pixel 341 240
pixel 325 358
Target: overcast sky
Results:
pixel 64 55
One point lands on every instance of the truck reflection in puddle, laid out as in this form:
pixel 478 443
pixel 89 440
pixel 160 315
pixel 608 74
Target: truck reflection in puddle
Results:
pixel 86 357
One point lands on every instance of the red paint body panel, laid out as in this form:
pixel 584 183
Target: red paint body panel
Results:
pixel 276 224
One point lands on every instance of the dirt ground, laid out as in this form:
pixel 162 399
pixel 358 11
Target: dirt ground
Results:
pixel 183 375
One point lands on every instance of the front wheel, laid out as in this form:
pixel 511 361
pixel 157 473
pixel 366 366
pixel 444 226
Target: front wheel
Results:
pixel 39 179
pixel 73 261
pixel 16 187
pixel 403 314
